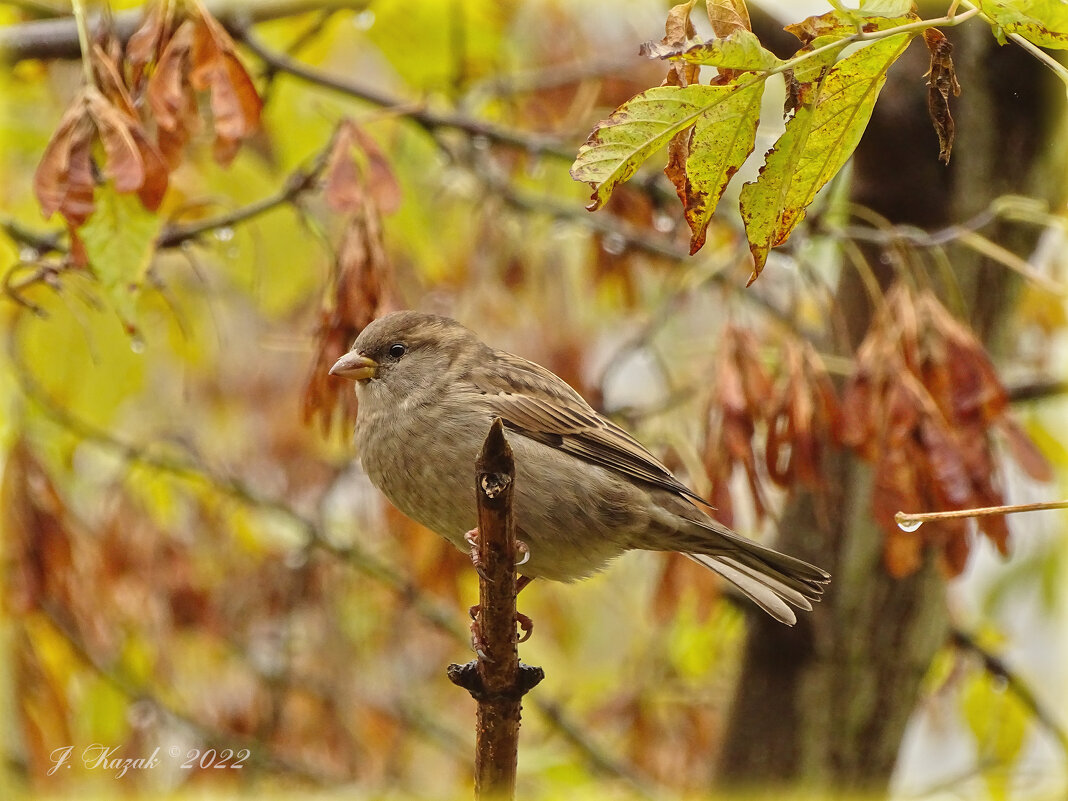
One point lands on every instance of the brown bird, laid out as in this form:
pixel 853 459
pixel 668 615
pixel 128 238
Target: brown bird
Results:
pixel 585 490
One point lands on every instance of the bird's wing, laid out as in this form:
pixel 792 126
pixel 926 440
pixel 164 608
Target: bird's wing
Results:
pixel 537 404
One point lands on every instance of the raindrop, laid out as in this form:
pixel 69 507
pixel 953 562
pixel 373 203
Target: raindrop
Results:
pixel 364 20
pixel 663 222
pixel 137 344
pixel 905 524
pixel 614 244
pixel 224 234
pixel 28 254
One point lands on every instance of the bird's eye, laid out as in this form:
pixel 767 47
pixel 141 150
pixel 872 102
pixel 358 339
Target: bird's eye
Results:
pixel 397 349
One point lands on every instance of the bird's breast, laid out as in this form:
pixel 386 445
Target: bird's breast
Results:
pixel 422 457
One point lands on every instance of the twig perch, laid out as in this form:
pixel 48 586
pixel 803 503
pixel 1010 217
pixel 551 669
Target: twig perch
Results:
pixel 496 679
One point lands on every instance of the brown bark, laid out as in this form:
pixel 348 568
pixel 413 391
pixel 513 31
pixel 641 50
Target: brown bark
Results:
pixel 496 679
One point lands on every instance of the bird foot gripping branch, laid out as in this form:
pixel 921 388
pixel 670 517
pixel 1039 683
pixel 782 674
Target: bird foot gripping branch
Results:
pixel 526 625
pixel 496 679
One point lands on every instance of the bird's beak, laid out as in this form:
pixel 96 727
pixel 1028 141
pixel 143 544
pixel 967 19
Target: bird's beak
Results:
pixel 355 367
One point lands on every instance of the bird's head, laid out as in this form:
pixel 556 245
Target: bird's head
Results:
pixel 405 351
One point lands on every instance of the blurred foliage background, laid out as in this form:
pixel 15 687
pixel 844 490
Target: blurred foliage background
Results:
pixel 193 560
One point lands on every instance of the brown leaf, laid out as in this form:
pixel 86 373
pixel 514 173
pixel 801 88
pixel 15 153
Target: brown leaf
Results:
pixel 678 30
pixel 345 185
pixel 728 16
pixel 1024 451
pixel 362 292
pixel 803 419
pixel 63 180
pixel 172 98
pixel 941 82
pixel 123 163
pixel 38 542
pixel 215 68
pixel 110 82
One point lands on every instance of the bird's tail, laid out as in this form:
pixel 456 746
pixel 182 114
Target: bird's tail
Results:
pixel 773 580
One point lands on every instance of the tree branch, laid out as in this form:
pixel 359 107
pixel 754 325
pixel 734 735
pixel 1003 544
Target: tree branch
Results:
pixel 57 38
pixel 496 679
pixel 428 119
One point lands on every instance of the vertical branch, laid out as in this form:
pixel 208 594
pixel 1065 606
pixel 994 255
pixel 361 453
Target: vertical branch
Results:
pixel 496 679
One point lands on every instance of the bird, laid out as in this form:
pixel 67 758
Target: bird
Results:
pixel 428 389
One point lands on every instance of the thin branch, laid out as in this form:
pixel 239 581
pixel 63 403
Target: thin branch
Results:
pixel 299 181
pixel 58 38
pixel 912 521
pixel 42 242
pixel 429 119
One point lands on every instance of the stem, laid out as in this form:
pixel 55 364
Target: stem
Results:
pixel 81 19
pixel 905 519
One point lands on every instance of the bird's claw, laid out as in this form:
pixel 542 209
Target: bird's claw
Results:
pixel 471 538
pixel 526 628
pixel 523 549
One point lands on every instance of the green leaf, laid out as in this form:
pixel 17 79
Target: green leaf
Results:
pixel 885 8
pixel 1041 22
pixel 1000 725
pixel 739 51
pixel 720 141
pixel 119 241
pixel 637 129
pixel 819 139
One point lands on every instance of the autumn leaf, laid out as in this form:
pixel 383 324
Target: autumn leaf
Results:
pixel 355 169
pixel 819 139
pixel 1041 22
pixel 172 98
pixel 728 16
pixel 646 123
pixel 941 83
pixel 678 30
pixel 924 405
pixel 740 51
pixel 739 402
pixel 64 179
pixel 215 68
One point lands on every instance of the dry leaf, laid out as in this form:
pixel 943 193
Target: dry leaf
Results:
pixel 941 83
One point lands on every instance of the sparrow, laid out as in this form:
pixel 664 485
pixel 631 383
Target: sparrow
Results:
pixel 585 490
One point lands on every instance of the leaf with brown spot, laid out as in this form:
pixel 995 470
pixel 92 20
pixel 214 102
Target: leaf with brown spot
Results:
pixel 941 82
